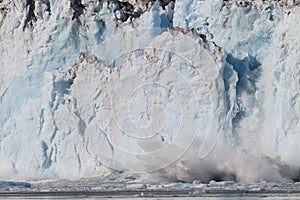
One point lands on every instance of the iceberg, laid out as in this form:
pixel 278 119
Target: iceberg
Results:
pixel 10 184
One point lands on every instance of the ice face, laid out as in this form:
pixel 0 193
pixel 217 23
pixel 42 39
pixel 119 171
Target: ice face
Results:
pixel 95 89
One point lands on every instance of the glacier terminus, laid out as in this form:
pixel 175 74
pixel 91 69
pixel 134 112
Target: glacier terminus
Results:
pixel 150 90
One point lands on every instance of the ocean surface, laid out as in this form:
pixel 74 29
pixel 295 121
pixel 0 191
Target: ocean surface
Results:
pixel 207 197
pixel 93 189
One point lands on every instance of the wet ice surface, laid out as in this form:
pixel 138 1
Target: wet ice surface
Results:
pixel 92 189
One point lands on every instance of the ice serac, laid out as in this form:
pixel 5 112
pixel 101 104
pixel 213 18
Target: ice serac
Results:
pixel 157 91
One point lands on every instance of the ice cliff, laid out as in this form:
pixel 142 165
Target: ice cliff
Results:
pixel 155 91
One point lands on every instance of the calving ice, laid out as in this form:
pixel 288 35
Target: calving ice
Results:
pixel 154 90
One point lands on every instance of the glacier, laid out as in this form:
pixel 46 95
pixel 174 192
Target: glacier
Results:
pixel 150 90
